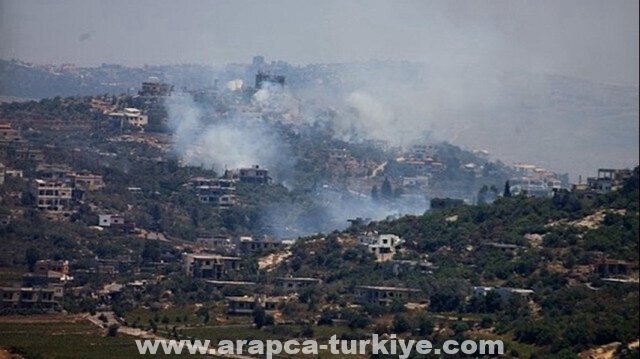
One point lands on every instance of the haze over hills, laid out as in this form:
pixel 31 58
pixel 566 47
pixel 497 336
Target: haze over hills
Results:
pixel 557 122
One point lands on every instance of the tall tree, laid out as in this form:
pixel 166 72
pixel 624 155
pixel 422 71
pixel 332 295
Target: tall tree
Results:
pixel 374 193
pixel 32 255
pixel 507 189
pixel 259 316
pixel 386 190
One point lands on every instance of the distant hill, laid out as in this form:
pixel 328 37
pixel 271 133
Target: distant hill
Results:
pixel 561 123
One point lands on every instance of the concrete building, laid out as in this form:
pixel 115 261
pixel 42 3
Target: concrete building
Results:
pixel 8 133
pixel 155 88
pixel 246 245
pixel 292 284
pixel 262 79
pixel 87 181
pixel 606 267
pixel 46 272
pixel 608 180
pixel 53 171
pixel 530 186
pixel 245 305
pixel 251 175
pixel 108 220
pixel 212 266
pixel 384 296
pixel 13 173
pixel 218 192
pixel 217 243
pixel 46 265
pixel 26 155
pixel 255 175
pixel 504 292
pixel 383 246
pixel 131 116
pixel 32 297
pixel 53 196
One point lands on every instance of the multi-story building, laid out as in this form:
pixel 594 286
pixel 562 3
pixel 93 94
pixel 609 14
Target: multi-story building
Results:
pixel 218 243
pixel 385 295
pixel 608 180
pixel 155 88
pixel 8 134
pixel 52 171
pixel 246 305
pixel 212 266
pixel 87 181
pixel 383 246
pixel 53 196
pixel 219 192
pixel 296 283
pixel 245 244
pixel 530 186
pixel 46 272
pixel 255 175
pixel 135 117
pixel 32 297
pixel 23 154
pixel 131 116
pixel 108 220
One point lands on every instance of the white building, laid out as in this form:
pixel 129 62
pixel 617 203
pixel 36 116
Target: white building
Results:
pixel 131 116
pixel 504 292
pixel 135 117
pixel 108 220
pixel 382 245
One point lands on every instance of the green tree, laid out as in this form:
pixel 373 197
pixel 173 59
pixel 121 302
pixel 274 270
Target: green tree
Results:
pixel 426 326
pixel 374 193
pixel 259 316
pixel 112 331
pixel 400 324
pixel 386 190
pixel 32 255
pixel 507 189
pixel 151 251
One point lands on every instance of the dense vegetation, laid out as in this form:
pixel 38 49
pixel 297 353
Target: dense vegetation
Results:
pixel 548 245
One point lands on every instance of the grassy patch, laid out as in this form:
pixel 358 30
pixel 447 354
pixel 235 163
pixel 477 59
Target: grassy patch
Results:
pixel 66 341
pixel 176 316
pixel 216 334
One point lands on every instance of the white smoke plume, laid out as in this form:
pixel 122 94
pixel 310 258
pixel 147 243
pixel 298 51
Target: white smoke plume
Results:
pixel 224 143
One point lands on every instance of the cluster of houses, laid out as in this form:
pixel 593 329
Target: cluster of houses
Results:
pixel 607 180
pixel 43 288
pixel 422 159
pixel 55 187
pixel 538 182
pixel 221 192
pixel 534 181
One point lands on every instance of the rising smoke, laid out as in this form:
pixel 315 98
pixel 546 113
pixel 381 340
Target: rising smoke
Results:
pixel 226 143
pixel 242 141
pixel 518 116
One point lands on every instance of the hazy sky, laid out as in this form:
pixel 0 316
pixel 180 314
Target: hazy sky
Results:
pixel 597 40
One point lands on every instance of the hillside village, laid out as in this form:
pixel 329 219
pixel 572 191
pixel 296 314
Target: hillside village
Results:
pixel 99 214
